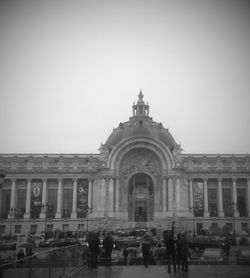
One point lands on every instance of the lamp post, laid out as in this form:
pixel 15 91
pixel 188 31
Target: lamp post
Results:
pixel 12 214
pixel 192 209
pixel 45 206
pixel 233 210
pixel 88 209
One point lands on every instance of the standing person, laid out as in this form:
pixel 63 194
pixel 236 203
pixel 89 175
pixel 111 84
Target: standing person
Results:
pixel 184 252
pixel 146 242
pixel 178 251
pixel 170 248
pixel 94 243
pixel 227 247
pixel 108 243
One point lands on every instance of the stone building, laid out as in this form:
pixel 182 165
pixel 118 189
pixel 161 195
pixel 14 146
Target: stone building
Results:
pixel 139 178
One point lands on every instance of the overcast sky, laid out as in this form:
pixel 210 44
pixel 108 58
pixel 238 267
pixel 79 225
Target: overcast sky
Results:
pixel 71 70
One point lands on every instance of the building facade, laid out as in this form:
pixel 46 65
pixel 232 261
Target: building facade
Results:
pixel 139 178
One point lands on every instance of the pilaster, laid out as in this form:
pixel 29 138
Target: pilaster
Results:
pixel 28 199
pixel 234 198
pixel 248 197
pixel 206 212
pixel 12 198
pixel 220 202
pixel 44 199
pixel 74 203
pixel 164 194
pixel 170 194
pixel 191 198
pixel 111 195
pixel 117 194
pixel 178 193
pixel 90 194
pixel 59 200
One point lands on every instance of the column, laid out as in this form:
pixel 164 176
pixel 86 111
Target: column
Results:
pixel 28 199
pixel 44 199
pixel 206 212
pixel 111 194
pixel 117 194
pixel 90 195
pixel 220 202
pixel 74 203
pixel 234 198
pixel 164 195
pixel 191 198
pixel 103 194
pixel 178 193
pixel 12 199
pixel 99 200
pixel 248 197
pixel 170 194
pixel 59 199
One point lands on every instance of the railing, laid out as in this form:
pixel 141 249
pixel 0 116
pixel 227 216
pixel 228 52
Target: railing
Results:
pixel 53 263
pixel 69 261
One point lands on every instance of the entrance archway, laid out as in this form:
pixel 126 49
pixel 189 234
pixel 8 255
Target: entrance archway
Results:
pixel 140 198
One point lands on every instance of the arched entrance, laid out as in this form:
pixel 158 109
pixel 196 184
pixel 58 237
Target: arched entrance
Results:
pixel 140 198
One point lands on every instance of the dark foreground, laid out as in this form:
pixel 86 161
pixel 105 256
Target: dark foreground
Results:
pixel 139 271
pixel 195 271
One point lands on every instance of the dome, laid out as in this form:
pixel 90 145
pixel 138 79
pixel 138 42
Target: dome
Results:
pixel 140 125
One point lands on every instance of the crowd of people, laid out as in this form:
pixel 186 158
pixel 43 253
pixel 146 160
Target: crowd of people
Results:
pixel 176 250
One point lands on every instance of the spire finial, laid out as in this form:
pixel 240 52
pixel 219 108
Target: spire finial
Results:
pixel 140 95
pixel 140 109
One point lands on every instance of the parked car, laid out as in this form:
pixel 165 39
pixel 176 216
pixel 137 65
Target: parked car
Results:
pixel 37 239
pixel 8 244
pixel 213 256
pixel 203 242
pixel 65 242
pixel 244 256
pixel 47 243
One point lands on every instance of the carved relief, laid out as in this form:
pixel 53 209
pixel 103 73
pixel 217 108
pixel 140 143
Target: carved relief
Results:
pixel 178 159
pixel 104 154
pixel 140 161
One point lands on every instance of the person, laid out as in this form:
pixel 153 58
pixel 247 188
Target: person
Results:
pixel 170 248
pixel 94 249
pixel 146 242
pixel 184 252
pixel 178 251
pixel 108 243
pixel 20 255
pixel 28 251
pixel 227 247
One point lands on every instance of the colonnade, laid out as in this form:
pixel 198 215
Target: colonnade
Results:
pixel 171 200
pixel 44 200
pixel 109 194
pixel 109 189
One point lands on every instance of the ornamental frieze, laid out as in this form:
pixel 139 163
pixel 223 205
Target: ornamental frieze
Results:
pixel 140 162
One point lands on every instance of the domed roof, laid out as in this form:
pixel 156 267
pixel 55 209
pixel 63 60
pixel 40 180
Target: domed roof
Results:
pixel 140 125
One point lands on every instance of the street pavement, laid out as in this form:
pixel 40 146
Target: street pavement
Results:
pixel 139 271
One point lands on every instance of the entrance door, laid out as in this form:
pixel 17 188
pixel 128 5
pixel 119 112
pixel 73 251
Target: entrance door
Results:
pixel 141 211
pixel 140 198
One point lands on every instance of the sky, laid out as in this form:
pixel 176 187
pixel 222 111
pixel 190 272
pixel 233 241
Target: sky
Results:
pixel 71 70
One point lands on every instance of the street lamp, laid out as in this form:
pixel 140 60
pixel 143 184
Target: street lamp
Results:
pixel 45 206
pixel 192 209
pixel 88 209
pixel 234 205
pixel 12 214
